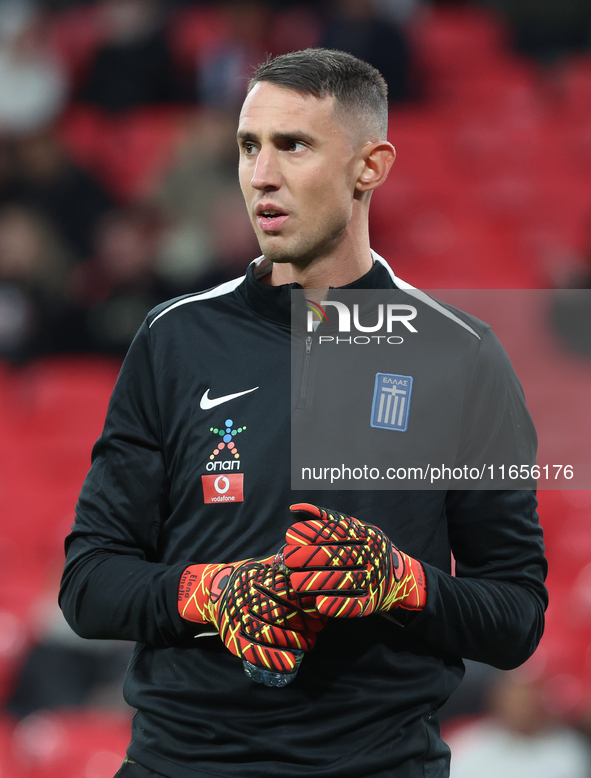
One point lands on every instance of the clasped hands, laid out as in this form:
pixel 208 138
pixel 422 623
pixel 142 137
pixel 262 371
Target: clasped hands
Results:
pixel 268 611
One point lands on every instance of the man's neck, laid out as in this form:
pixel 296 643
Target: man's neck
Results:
pixel 323 272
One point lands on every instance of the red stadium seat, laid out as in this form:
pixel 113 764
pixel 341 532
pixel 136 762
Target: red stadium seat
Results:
pixel 124 152
pixel 58 408
pixel 574 105
pixel 71 744
pixel 575 147
pixel 8 769
pixel 509 198
pixel 422 174
pixel 76 34
pixel 85 132
pixel 572 554
pixel 482 149
pixel 508 95
pixel 142 147
pixel 450 40
pixel 191 30
pixel 563 655
pixel 439 247
pixel 420 138
pixel 14 639
pixel 67 396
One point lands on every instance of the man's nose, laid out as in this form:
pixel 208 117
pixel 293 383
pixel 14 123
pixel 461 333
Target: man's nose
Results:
pixel 266 173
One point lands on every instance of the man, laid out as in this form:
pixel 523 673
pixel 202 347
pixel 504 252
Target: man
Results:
pixel 192 476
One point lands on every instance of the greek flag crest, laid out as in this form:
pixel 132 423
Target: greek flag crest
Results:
pixel 391 401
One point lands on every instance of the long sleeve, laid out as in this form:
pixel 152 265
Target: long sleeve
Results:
pixel 493 609
pixel 112 586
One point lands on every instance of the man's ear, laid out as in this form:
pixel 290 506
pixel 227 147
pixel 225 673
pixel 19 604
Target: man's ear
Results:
pixel 378 158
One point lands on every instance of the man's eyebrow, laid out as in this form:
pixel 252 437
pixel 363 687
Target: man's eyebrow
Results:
pixel 243 135
pixel 294 135
pixel 246 135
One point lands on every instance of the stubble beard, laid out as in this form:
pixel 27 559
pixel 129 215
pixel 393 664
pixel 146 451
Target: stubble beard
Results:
pixel 304 249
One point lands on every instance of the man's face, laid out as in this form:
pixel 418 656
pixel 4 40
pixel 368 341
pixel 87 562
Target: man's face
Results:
pixel 298 168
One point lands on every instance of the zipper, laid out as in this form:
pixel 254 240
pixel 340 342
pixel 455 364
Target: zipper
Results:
pixel 305 370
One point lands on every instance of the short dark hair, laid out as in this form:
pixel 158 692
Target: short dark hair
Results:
pixel 356 85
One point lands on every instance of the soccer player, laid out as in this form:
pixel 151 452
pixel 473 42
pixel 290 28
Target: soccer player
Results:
pixel 188 498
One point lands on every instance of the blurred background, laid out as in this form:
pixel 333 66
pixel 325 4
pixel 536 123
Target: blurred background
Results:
pixel 117 175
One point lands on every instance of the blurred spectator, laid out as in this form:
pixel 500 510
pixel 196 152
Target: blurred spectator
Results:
pixel 399 11
pixel 116 288
pixel 200 198
pixel 224 67
pixel 470 698
pixel 571 317
pixel 35 171
pixel 547 28
pixel 521 738
pixel 244 35
pixel 134 66
pixel 33 85
pixel 63 670
pixel 357 27
pixel 33 266
pixel 296 26
pixel 570 310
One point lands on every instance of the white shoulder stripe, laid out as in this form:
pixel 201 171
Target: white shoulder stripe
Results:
pixel 217 291
pixel 423 297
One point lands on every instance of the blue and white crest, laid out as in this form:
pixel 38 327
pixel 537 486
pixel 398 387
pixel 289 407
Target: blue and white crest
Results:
pixel 391 401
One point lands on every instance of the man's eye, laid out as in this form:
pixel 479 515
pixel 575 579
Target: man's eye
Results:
pixel 295 145
pixel 249 148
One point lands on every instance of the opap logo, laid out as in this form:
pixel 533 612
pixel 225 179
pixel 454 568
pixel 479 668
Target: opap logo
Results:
pixel 227 435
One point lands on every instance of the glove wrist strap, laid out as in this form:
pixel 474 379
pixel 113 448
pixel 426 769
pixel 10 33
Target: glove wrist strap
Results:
pixel 198 588
pixel 409 589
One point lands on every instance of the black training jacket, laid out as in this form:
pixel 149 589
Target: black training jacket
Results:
pixel 157 498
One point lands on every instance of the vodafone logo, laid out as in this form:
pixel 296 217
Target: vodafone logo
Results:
pixel 223 488
pixel 221 484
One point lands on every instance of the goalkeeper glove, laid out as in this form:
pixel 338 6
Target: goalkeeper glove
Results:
pixel 352 568
pixel 255 611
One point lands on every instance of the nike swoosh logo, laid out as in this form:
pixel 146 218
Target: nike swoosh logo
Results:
pixel 205 404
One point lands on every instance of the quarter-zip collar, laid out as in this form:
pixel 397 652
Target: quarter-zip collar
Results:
pixel 274 302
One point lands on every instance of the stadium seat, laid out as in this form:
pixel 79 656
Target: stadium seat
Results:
pixel 71 744
pixel 421 177
pixel 507 95
pixel 482 149
pixel 125 152
pixel 7 767
pixel 575 148
pixel 572 556
pixel 191 31
pixel 76 34
pixel 564 654
pixel 15 637
pixel 84 131
pixel 34 515
pixel 451 40
pixel 443 239
pixel 57 407
pixel 574 105
pixel 508 198
pixel 67 395
pixel 141 148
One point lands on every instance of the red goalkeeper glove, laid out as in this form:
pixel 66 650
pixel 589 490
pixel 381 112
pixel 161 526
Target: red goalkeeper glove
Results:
pixel 254 609
pixel 352 568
